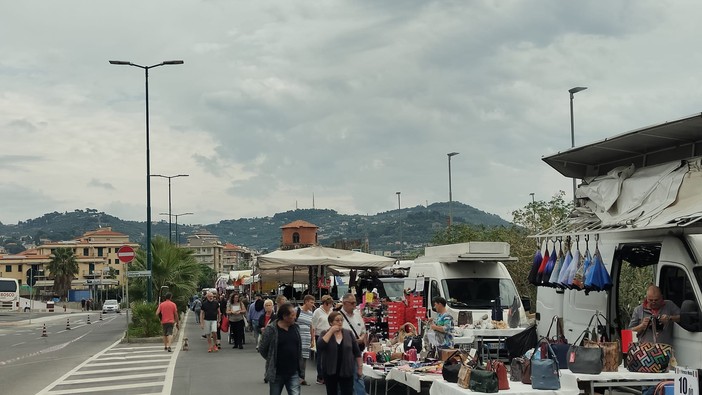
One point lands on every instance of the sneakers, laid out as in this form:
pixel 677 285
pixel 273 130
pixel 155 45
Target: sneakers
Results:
pixel 169 349
pixel 320 381
pixel 303 382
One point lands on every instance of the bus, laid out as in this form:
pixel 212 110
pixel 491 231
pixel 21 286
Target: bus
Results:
pixel 9 294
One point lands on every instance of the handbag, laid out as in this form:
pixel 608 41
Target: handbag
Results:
pixel 612 356
pixel 649 357
pixel 520 343
pixel 558 342
pixel 451 368
pixel 526 372
pixel 544 372
pixel 587 360
pixel 412 342
pixel 500 370
pixel 224 325
pixel 515 369
pixel 410 355
pixel 464 374
pixel 483 381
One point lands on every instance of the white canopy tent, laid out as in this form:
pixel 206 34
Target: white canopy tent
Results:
pixel 322 256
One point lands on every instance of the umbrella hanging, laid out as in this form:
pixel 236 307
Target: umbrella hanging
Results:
pixel 533 273
pixel 553 278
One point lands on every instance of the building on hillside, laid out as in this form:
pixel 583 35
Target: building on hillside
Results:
pixel 298 234
pixel 207 249
pixel 235 258
pixel 99 268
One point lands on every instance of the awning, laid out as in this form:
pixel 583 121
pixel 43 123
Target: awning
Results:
pixel 322 256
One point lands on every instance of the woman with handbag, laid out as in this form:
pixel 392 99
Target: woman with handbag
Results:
pixel 236 311
pixel 341 355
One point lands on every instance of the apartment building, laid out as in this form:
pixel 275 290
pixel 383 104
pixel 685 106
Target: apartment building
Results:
pixel 207 249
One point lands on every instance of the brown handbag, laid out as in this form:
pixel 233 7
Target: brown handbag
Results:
pixel 612 356
pixel 500 370
pixel 526 372
pixel 464 376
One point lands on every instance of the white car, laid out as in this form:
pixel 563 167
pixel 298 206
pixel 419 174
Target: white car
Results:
pixel 110 305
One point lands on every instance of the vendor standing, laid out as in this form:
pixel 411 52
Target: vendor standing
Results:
pixel 654 314
pixel 442 324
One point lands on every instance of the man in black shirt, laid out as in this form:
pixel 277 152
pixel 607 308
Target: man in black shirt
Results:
pixel 281 346
pixel 209 317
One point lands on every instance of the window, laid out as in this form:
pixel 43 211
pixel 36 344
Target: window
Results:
pixel 8 268
pixel 296 238
pixel 116 261
pixel 91 268
pixel 99 251
pixel 116 272
pixel 19 268
pixel 86 251
pixel 676 287
pixel 479 293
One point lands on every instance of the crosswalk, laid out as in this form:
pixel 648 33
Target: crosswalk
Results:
pixel 120 369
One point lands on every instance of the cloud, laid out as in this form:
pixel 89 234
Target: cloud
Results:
pixel 96 183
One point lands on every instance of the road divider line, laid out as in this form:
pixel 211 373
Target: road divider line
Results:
pixel 93 389
pixel 113 378
pixel 118 370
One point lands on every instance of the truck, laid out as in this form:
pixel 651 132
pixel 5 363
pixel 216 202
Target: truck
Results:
pixel 640 205
pixel 470 276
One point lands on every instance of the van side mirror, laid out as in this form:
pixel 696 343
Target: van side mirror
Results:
pixel 526 302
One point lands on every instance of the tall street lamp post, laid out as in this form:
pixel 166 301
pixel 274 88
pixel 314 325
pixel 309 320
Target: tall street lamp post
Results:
pixel 149 259
pixel 399 216
pixel 533 208
pixel 450 193
pixel 176 225
pixel 170 231
pixel 572 92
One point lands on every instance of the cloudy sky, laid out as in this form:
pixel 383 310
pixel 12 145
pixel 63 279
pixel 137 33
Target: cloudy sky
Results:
pixel 351 101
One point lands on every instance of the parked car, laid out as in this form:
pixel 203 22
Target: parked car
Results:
pixel 110 305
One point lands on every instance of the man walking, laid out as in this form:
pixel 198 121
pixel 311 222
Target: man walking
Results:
pixel 209 317
pixel 168 312
pixel 281 346
pixel 197 307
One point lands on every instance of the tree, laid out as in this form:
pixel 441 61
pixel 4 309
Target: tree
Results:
pixel 63 267
pixel 541 215
pixel 172 267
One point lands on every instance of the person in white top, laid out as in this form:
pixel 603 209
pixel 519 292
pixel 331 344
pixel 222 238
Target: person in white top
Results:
pixel 354 321
pixel 320 323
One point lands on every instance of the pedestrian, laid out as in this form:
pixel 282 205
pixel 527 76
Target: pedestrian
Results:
pixel 281 346
pixel 279 300
pixel 254 312
pixel 222 312
pixel 653 319
pixel 307 333
pixel 320 323
pixel 209 318
pixel 88 304
pixel 236 311
pixel 82 304
pixel 342 356
pixel 197 306
pixel 168 312
pixel 442 324
pixel 353 321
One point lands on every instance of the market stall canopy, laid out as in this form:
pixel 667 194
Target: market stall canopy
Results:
pixel 236 275
pixel 285 275
pixel 322 256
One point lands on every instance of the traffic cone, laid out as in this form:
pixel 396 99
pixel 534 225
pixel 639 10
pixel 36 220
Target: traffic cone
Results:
pixel 68 325
pixel 43 332
pixel 89 323
pixel 101 316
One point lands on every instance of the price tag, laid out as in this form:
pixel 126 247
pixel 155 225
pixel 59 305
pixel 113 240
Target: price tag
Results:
pixel 686 381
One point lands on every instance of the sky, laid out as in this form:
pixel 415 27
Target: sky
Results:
pixel 338 104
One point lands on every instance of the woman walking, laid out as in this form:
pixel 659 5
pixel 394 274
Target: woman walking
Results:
pixel 304 320
pixel 320 323
pixel 236 311
pixel 342 356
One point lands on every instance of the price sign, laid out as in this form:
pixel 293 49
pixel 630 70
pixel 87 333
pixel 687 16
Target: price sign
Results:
pixel 686 381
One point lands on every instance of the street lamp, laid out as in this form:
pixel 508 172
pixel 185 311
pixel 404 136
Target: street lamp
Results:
pixel 450 193
pixel 149 259
pixel 176 225
pixel 572 92
pixel 170 231
pixel 400 219
pixel 533 208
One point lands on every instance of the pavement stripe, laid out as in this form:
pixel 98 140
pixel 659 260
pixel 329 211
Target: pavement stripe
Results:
pixel 129 362
pixel 118 370
pixel 113 378
pixel 96 389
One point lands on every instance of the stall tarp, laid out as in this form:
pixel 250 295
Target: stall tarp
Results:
pixel 287 275
pixel 322 256
pixel 236 275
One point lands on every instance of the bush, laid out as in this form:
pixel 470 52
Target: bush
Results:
pixel 144 322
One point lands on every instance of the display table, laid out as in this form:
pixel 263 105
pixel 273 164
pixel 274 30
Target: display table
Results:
pixel 620 378
pixel 442 387
pixel 374 376
pixel 410 379
pixel 471 335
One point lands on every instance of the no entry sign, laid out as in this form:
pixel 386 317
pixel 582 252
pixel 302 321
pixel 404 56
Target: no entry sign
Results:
pixel 126 254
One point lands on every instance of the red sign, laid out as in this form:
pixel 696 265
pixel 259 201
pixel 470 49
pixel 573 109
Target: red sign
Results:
pixel 126 254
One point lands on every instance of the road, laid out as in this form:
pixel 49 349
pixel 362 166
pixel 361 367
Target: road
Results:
pixel 90 359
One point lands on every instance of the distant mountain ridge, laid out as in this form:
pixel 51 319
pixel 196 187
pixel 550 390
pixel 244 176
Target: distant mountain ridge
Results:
pixel 381 230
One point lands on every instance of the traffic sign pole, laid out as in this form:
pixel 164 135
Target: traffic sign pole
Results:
pixel 126 254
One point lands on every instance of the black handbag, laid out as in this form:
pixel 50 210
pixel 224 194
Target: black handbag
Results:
pixel 451 368
pixel 587 360
pixel 412 342
pixel 483 381
pixel 559 343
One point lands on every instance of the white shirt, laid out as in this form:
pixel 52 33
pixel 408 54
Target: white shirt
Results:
pixel 357 320
pixel 320 320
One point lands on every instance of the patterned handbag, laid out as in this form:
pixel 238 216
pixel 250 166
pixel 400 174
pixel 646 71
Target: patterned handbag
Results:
pixel 649 357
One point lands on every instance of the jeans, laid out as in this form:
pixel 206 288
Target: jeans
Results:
pixel 197 316
pixel 255 332
pixel 291 384
pixel 320 376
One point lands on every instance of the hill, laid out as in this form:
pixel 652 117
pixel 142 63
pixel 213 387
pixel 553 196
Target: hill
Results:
pixel 381 230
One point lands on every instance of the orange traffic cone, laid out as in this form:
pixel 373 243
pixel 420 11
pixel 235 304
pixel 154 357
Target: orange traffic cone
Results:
pixel 89 320
pixel 43 332
pixel 68 325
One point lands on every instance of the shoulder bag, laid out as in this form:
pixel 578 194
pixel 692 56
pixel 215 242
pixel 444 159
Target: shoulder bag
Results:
pixel 452 367
pixel 559 343
pixel 494 365
pixel 483 381
pixel 611 350
pixel 515 369
pixel 544 372
pixel 649 357
pixel 463 379
pixel 586 360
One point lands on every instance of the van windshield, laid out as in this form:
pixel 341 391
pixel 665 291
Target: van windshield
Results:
pixel 394 289
pixel 478 293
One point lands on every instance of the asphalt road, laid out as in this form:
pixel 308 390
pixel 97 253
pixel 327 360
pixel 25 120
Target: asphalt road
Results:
pixel 30 362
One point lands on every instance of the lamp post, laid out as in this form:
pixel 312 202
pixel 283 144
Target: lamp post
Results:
pixel 533 208
pixel 149 260
pixel 450 193
pixel 170 231
pixel 176 225
pixel 572 92
pixel 399 216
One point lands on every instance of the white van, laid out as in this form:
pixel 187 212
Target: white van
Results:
pixel 470 276
pixel 643 209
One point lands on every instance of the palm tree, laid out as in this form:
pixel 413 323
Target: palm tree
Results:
pixel 63 267
pixel 172 267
